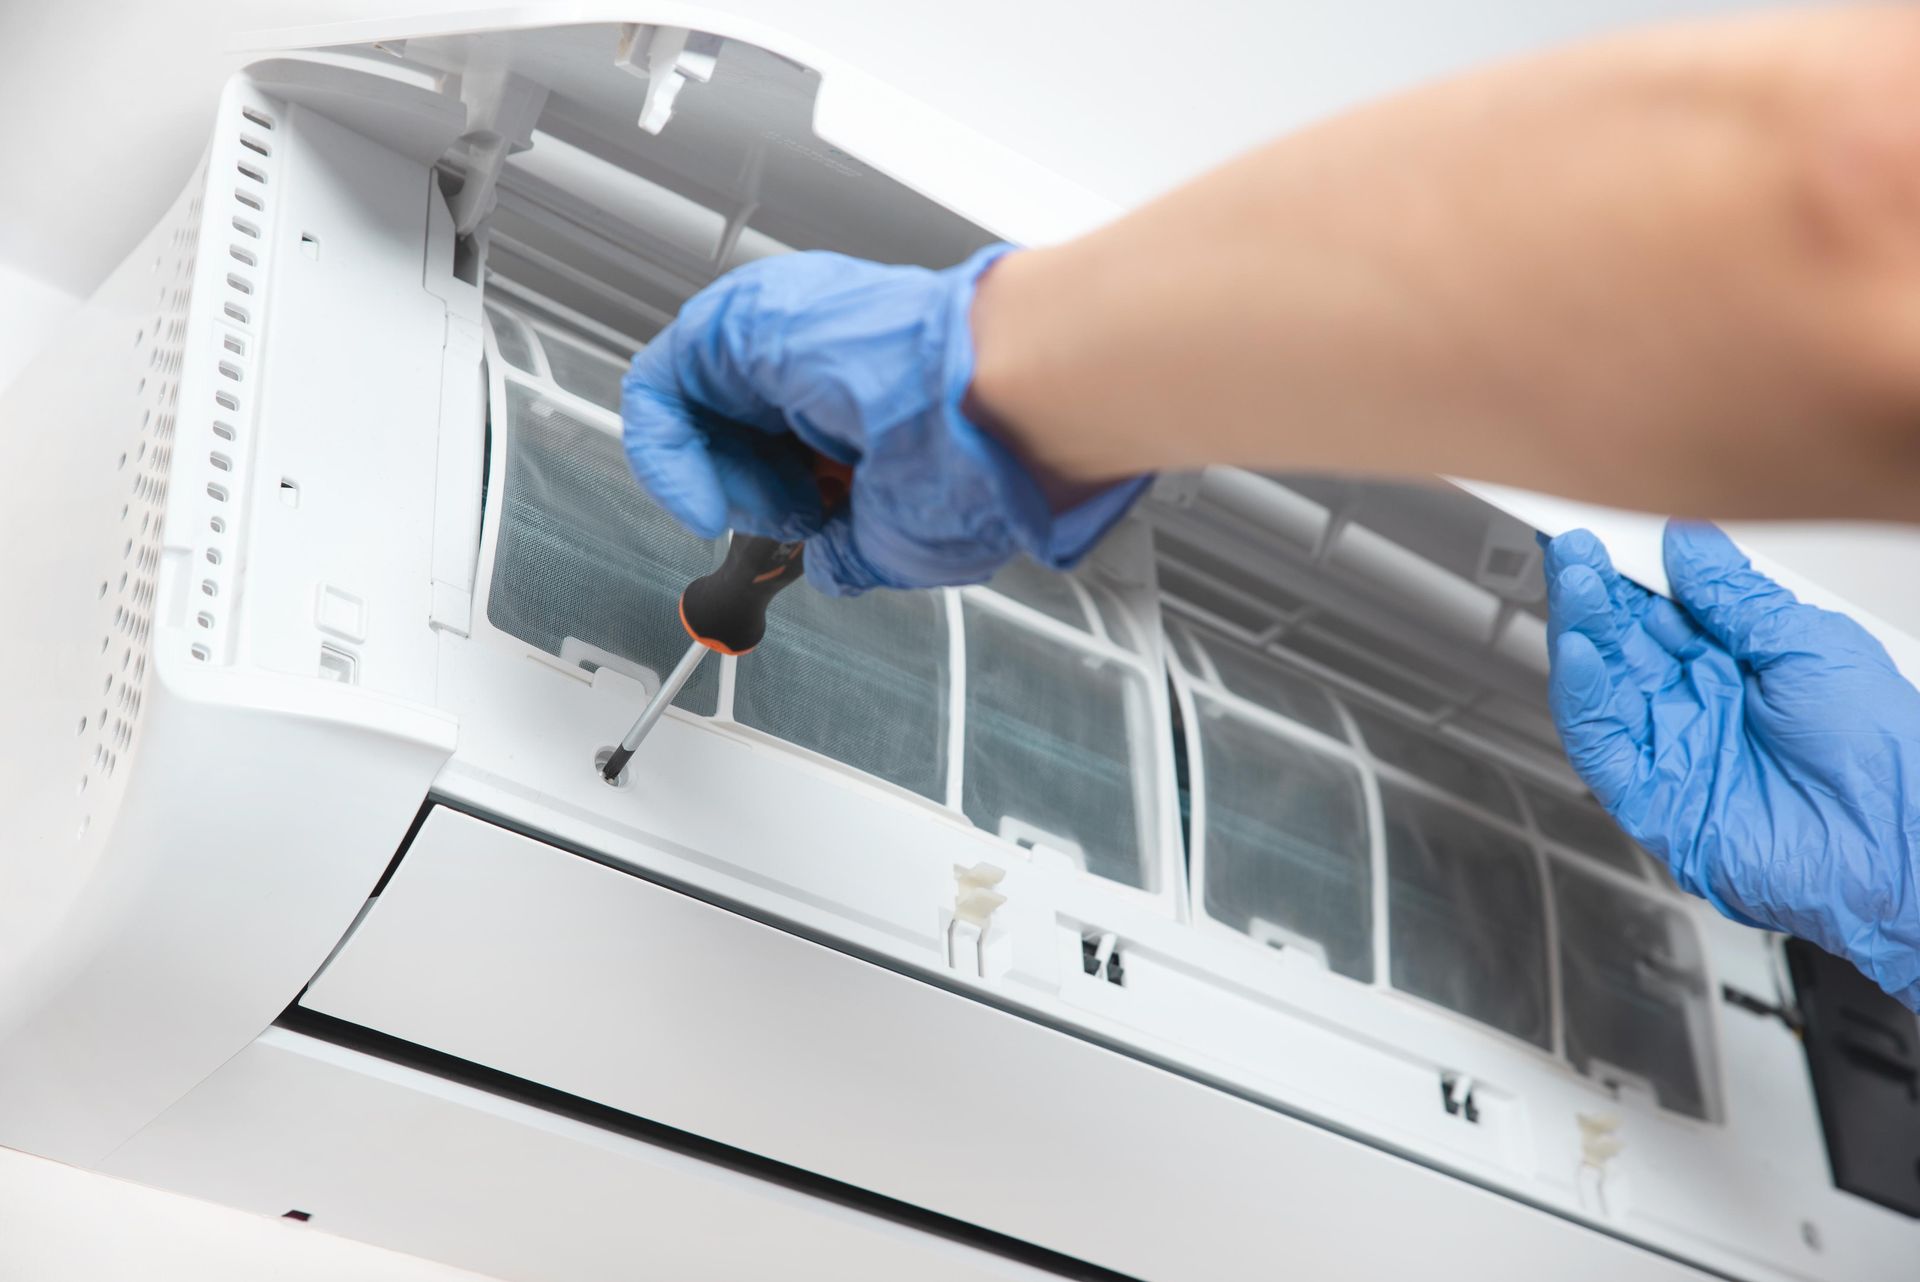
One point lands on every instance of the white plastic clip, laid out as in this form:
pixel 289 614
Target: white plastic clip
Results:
pixel 502 109
pixel 1600 1143
pixel 974 902
pixel 667 57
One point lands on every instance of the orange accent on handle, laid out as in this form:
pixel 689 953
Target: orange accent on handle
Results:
pixel 718 646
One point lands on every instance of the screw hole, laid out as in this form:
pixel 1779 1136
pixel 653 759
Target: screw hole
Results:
pixel 622 780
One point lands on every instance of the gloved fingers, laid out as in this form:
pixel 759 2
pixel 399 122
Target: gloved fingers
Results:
pixel 1578 601
pixel 1756 619
pixel 767 481
pixel 1595 718
pixel 1671 628
pixel 1583 547
pixel 723 351
pixel 669 452
pixel 1664 623
pixel 835 565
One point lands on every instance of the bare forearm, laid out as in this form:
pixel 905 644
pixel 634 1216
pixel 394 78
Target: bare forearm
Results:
pixel 1679 270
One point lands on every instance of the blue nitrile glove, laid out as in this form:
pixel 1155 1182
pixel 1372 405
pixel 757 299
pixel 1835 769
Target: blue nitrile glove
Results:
pixel 1769 751
pixel 867 364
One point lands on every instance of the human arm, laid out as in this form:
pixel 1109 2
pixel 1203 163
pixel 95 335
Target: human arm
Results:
pixel 1677 269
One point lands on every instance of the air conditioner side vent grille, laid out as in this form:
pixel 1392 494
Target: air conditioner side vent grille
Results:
pixel 129 581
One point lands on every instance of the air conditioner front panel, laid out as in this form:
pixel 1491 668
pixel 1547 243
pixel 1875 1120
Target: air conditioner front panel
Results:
pixel 511 953
pixel 1239 870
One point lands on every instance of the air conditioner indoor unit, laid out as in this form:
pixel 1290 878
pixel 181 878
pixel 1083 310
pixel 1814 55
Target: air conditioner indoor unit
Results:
pixel 1221 910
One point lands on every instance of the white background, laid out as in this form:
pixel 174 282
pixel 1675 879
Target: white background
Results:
pixel 58 1224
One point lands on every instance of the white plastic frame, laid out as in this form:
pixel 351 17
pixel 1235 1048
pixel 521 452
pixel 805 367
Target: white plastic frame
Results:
pixel 1154 791
pixel 1371 771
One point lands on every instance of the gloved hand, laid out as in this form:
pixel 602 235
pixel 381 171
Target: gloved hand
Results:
pixel 1769 751
pixel 869 365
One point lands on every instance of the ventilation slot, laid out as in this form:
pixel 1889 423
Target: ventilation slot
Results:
pixel 126 596
pixel 248 219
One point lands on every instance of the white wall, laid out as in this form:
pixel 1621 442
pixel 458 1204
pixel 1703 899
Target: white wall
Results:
pixel 30 309
pixel 59 1224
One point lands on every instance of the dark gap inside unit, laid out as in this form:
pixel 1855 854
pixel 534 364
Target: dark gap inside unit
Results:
pixel 1863 1051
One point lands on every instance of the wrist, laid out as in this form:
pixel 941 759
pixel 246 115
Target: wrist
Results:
pixel 1007 397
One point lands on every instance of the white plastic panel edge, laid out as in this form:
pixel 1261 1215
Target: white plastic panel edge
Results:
pixel 190 908
pixel 506 952
pixel 857 110
pixel 1633 540
pixel 392 1155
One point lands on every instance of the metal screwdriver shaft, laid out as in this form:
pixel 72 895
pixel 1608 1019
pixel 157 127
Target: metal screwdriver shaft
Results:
pixel 727 609
pixel 665 695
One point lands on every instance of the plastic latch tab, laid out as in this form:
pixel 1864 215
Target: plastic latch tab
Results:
pixel 667 57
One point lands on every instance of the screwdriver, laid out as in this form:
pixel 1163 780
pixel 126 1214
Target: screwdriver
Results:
pixel 726 610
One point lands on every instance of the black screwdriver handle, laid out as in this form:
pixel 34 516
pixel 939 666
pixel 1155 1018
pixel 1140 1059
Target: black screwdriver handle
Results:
pixel 727 609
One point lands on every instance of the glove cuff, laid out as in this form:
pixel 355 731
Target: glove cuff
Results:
pixel 1057 540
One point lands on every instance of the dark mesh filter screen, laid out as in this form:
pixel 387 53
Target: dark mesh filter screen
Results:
pixel 1585 827
pixel 591 375
pixel 862 680
pixel 1052 735
pixel 1633 987
pixel 511 339
pixel 1039 588
pixel 1464 916
pixel 1259 679
pixel 1445 767
pixel 584 553
pixel 1286 839
pixel 1351 657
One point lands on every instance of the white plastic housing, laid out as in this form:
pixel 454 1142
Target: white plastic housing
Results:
pixel 337 752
